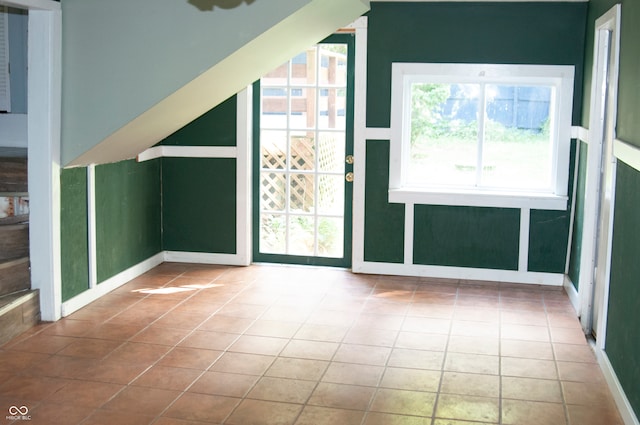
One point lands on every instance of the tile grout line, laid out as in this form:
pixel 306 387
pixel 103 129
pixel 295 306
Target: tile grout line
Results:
pixel 445 356
pixel 129 384
pixel 386 364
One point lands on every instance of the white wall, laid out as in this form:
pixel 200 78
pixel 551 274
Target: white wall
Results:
pixel 136 71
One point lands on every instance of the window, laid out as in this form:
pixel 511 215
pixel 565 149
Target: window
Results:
pixel 497 134
pixel 5 95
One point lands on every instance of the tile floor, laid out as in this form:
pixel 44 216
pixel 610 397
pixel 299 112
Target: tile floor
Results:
pixel 187 344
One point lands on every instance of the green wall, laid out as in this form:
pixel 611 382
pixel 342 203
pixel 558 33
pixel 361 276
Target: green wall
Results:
pixel 383 222
pixel 74 232
pixel 128 215
pixel 199 204
pixel 481 237
pixel 176 204
pixel 623 334
pixel 199 194
pixel 525 33
pixel 215 128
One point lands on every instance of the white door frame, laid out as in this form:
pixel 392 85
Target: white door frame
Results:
pixel 609 22
pixel 43 141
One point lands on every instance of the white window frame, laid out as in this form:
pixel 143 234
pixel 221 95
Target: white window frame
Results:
pixel 404 74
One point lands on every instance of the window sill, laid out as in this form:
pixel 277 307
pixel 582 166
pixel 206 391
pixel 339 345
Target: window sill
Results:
pixel 473 198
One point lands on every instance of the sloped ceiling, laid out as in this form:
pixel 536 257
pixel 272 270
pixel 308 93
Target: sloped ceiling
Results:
pixel 136 71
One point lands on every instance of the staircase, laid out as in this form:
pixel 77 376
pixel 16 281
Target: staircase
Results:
pixel 19 305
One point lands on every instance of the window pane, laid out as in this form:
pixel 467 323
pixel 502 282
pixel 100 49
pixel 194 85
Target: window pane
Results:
pixel 274 108
pixel 444 134
pixel 273 233
pixel 273 149
pixel 332 108
pixel 331 152
pixel 303 68
pixel 278 76
pixel 272 191
pixel 302 193
pixel 330 237
pixel 301 235
pixel 330 194
pixel 303 151
pixel 333 64
pixel 517 150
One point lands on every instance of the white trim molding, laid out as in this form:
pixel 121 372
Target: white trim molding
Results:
pixel 580 133
pixel 602 121
pixel 43 129
pixel 360 136
pixel 32 4
pixel 91 226
pixel 624 406
pixel 377 133
pixel 165 151
pixel 465 273
pixel 478 198
pixel 627 153
pixel 244 187
pixel 572 293
pixel 204 258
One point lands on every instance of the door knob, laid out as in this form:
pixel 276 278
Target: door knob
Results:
pixel 349 159
pixel 349 177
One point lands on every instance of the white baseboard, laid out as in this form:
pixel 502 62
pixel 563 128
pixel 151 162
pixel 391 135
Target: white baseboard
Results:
pixel 572 293
pixel 624 407
pixel 467 273
pixel 90 295
pixel 110 284
pixel 206 258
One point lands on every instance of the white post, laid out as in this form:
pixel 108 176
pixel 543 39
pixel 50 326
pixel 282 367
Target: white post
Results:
pixel 43 122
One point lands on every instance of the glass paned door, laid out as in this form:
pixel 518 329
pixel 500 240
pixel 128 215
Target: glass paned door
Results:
pixel 303 131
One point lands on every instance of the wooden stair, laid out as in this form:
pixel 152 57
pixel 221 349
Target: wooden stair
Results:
pixel 13 175
pixel 19 304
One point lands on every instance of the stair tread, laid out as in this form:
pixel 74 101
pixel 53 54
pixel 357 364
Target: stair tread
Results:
pixel 15 298
pixel 16 219
pixel 12 262
pixel 13 175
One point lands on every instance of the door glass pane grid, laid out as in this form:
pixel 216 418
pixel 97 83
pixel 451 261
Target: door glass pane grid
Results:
pixel 306 217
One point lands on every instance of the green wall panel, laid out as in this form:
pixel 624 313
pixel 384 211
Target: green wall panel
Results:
pixel 74 232
pixel 128 215
pixel 578 224
pixel 469 32
pixel 548 236
pixel 199 205
pixel 383 222
pixel 623 334
pixel 466 236
pixel 215 128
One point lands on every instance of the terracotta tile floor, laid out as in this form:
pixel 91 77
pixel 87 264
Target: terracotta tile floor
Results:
pixel 192 344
